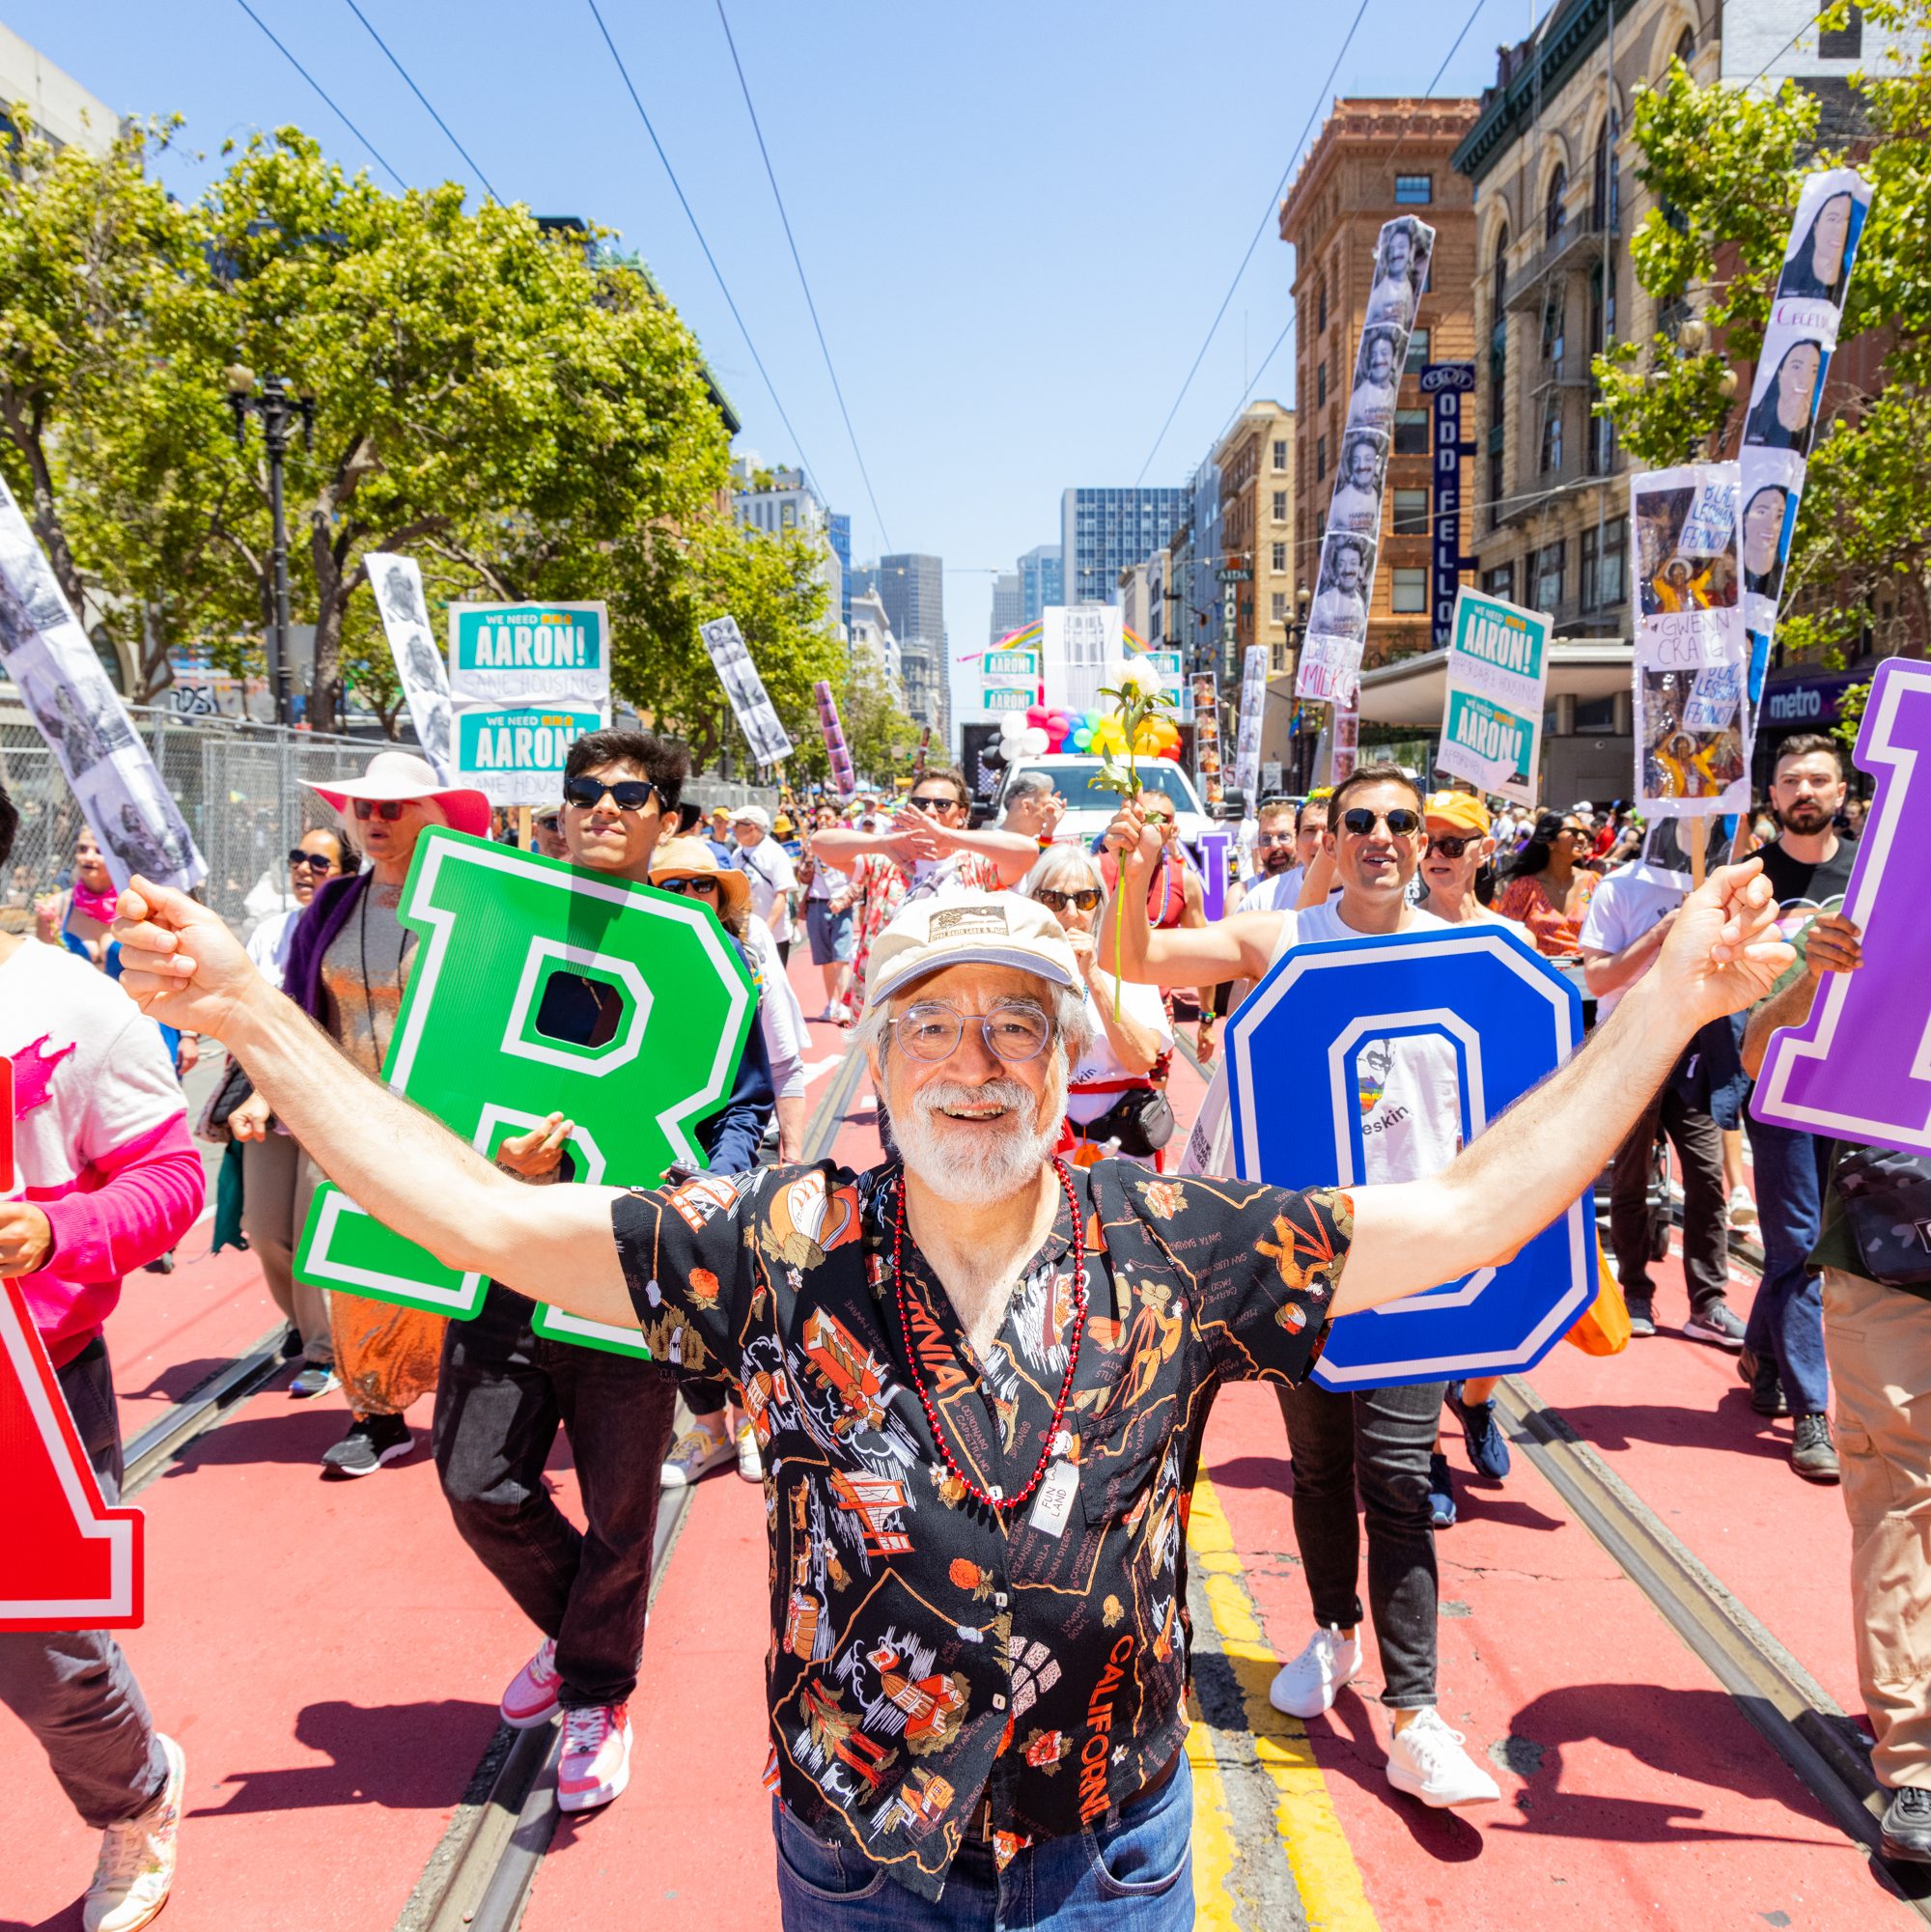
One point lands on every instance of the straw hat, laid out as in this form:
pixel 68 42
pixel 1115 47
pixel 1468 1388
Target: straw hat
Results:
pixel 693 858
pixel 401 774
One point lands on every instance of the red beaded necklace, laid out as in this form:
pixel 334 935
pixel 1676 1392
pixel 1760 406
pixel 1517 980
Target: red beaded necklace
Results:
pixel 994 1498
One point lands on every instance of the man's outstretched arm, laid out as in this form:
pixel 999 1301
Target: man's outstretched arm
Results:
pixel 1508 1184
pixel 182 965
pixel 1195 957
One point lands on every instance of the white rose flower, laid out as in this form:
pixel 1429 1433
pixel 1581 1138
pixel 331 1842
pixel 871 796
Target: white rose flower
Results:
pixel 1141 677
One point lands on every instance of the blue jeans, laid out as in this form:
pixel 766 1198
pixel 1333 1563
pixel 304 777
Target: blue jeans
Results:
pixel 1129 1872
pixel 1786 1323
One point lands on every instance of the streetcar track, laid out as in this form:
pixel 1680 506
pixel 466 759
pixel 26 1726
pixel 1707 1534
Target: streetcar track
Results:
pixel 205 1407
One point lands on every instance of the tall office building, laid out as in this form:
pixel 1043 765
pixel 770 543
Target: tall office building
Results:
pixel 781 502
pixel 1042 580
pixel 912 588
pixel 1103 531
pixel 1008 606
pixel 839 531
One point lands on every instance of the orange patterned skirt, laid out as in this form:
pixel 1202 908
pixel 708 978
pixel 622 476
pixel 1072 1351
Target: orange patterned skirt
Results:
pixel 386 1356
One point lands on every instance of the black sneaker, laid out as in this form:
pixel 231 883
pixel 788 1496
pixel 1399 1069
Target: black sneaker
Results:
pixel 1487 1447
pixel 1441 1493
pixel 1719 1323
pixel 1767 1396
pixel 1813 1455
pixel 1642 1315
pixel 1906 1825
pixel 370 1442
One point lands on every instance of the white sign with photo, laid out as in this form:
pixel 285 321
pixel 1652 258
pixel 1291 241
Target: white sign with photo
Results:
pixel 398 599
pixel 730 657
pixel 61 681
pixel 1078 641
pixel 1253 706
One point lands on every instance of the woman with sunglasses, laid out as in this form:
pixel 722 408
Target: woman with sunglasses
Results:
pixel 1550 885
pixel 348 965
pixel 1119 1076
pixel 271 1161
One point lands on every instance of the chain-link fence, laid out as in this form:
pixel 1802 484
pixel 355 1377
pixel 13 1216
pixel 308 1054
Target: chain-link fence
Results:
pixel 239 785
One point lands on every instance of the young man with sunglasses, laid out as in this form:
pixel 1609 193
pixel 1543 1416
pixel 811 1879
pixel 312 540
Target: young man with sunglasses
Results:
pixel 503 1389
pixel 1382 1441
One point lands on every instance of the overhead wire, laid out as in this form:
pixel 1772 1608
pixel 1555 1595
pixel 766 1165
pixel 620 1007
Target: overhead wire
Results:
pixel 327 99
pixel 824 347
pixel 696 228
pixel 1271 213
pixel 410 82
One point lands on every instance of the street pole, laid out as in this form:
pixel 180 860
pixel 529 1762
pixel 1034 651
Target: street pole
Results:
pixel 277 410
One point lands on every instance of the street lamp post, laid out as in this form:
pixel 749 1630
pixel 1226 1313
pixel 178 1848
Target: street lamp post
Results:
pixel 278 411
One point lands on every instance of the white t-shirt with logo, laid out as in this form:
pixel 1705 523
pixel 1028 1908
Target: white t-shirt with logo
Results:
pixel 1141 1004
pixel 1408 1087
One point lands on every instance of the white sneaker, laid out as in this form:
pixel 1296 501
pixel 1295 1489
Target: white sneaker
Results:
pixel 1426 1760
pixel 1310 1684
pixel 137 1859
pixel 1742 1209
pixel 694 1454
pixel 596 1763
pixel 750 1464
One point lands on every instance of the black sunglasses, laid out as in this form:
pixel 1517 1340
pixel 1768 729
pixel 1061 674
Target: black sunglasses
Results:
pixel 705 882
pixel 1361 821
pixel 388 810
pixel 631 795
pixel 316 862
pixel 934 802
pixel 1087 898
pixel 1450 848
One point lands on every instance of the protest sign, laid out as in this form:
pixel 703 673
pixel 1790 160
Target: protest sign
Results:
pixel 1691 748
pixel 1330 664
pixel 1492 704
pixel 507 654
pixel 398 599
pixel 1858 1069
pixel 1207 775
pixel 1009 677
pixel 1799 337
pixel 1327 1024
pixel 513 754
pixel 835 749
pixel 507 941
pixel 757 719
pixel 1247 737
pixel 65 690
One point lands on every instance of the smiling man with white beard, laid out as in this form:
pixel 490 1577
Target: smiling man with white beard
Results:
pixel 975 1374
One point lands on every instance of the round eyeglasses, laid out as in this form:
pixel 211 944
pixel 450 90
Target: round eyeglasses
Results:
pixel 931 1030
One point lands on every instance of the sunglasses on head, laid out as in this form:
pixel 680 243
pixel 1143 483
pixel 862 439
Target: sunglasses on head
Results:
pixel 705 882
pixel 316 862
pixel 1085 899
pixel 1450 848
pixel 388 810
pixel 631 795
pixel 1361 821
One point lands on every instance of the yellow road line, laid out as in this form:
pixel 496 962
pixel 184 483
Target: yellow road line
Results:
pixel 1324 1872
pixel 1213 1837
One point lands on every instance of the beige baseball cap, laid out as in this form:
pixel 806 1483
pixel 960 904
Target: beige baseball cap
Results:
pixel 969 929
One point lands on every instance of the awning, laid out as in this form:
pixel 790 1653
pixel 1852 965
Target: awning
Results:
pixel 1408 691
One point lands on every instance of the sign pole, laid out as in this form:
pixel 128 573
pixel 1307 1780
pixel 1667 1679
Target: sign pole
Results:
pixel 1699 840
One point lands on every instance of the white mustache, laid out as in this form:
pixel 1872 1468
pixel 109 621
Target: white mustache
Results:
pixel 941 1094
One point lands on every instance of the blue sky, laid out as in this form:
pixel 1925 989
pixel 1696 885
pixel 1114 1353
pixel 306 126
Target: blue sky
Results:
pixel 1018 220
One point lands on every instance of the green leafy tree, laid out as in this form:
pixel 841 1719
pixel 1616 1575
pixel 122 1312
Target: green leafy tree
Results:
pixel 1725 169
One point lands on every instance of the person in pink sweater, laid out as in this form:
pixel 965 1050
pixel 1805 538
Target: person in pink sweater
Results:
pixel 105 1179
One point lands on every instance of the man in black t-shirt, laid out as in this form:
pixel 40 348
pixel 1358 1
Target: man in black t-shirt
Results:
pixel 1783 1345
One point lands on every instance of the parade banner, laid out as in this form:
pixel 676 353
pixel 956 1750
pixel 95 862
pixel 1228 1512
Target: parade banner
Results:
pixel 404 614
pixel 61 683
pixel 1799 340
pixel 514 754
pixel 519 654
pixel 1345 744
pixel 835 749
pixel 757 719
pixel 1329 665
pixel 1207 775
pixel 1009 674
pixel 1248 731
pixel 483 1043
pixel 1329 1023
pixel 1858 1068
pixel 1691 655
pixel 1076 643
pixel 1491 705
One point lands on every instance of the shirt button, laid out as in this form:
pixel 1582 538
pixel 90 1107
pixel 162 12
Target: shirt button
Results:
pixel 998 1701
pixel 999 1599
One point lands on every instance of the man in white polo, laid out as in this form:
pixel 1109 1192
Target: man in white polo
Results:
pixel 769 867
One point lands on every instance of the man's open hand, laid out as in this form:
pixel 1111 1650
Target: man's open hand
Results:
pixel 179 963
pixel 538 1152
pixel 1723 953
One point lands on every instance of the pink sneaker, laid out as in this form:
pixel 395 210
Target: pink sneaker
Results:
pixel 531 1698
pixel 596 1761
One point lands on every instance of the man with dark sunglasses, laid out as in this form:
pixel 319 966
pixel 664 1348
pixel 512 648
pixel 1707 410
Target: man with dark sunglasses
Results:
pixel 504 1389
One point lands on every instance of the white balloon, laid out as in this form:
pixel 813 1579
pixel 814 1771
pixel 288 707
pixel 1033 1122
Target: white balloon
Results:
pixel 1034 742
pixel 1013 725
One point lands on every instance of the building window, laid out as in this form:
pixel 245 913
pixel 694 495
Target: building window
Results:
pixel 1686 45
pixel 1555 210
pixel 1553 321
pixel 1408 593
pixel 1501 582
pixel 1604 556
pixel 1280 496
pixel 1320 306
pixel 1547 575
pixel 1279 607
pixel 1602 446
pixel 1604 189
pixel 1410 513
pixel 1320 463
pixel 1601 311
pixel 1550 459
pixel 1496 479
pixel 1498 291
pixel 1414 190
pixel 1417 352
pixel 1836 44
pixel 1410 433
pixel 1280 453
pixel 1278 558
pixel 1321 384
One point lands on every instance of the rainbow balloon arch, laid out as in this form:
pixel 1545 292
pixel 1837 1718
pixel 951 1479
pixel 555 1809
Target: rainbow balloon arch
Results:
pixel 1042 730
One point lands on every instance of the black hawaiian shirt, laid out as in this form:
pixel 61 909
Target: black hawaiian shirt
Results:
pixel 926 1650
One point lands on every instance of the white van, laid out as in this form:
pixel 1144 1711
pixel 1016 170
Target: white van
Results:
pixel 1090 810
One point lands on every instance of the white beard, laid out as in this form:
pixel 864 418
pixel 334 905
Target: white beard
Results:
pixel 983 1167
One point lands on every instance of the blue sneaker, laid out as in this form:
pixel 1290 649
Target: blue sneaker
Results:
pixel 1441 1493
pixel 1488 1446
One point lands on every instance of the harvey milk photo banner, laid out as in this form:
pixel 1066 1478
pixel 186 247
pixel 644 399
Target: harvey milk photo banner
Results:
pixel 398 598
pixel 757 719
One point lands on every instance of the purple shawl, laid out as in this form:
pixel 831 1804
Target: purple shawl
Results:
pixel 321 918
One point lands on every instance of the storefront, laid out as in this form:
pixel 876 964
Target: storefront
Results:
pixel 1800 700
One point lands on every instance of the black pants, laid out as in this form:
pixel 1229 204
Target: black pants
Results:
pixel 502 1392
pixel 1377 1440
pixel 1700 1149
